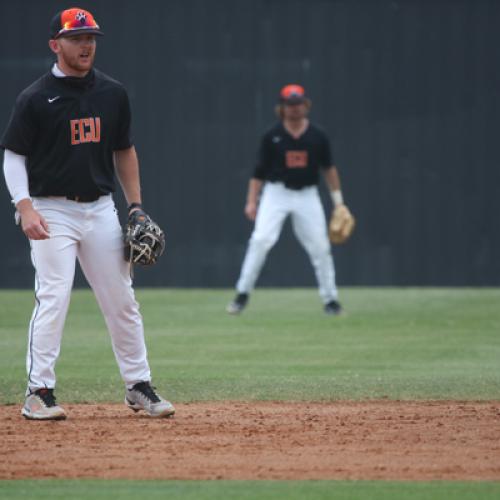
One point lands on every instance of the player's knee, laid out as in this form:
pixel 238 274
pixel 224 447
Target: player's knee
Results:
pixel 56 294
pixel 263 243
pixel 320 251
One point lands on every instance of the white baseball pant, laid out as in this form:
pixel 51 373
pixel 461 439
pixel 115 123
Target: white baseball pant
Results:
pixel 309 225
pixel 91 233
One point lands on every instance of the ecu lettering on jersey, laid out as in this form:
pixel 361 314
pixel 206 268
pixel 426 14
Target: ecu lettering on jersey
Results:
pixel 85 130
pixel 296 159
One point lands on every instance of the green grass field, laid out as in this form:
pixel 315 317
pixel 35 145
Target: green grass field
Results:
pixel 391 343
pixel 247 490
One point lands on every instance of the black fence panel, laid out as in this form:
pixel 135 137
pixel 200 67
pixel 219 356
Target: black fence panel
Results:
pixel 409 92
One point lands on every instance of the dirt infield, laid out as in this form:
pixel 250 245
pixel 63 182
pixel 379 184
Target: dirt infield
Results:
pixel 259 440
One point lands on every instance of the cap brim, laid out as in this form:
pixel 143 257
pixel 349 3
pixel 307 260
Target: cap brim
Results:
pixel 294 100
pixel 79 31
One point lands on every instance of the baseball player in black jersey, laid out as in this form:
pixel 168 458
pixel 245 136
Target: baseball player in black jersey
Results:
pixel 291 156
pixel 68 135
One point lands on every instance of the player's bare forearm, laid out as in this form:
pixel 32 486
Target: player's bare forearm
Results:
pixel 332 179
pixel 127 171
pixel 254 188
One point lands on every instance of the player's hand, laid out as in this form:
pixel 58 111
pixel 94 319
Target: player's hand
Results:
pixel 251 210
pixel 34 226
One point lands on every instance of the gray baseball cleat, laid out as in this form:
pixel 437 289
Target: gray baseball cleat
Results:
pixel 41 405
pixel 238 304
pixel 143 397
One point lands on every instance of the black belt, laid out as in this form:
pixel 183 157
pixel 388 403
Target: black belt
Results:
pixel 83 198
pixel 293 187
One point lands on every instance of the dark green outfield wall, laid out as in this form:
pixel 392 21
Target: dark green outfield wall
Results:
pixel 409 90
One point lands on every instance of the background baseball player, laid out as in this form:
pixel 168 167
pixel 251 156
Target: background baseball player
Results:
pixel 291 155
pixel 68 135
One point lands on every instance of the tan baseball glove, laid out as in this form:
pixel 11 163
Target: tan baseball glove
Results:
pixel 341 225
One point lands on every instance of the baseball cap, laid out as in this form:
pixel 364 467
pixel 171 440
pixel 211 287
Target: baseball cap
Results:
pixel 73 21
pixel 292 94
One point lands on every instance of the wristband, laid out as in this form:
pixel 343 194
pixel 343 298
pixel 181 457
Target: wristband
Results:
pixel 337 197
pixel 134 205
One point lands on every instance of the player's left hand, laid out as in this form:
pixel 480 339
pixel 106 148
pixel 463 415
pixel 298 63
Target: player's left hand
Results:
pixel 144 240
pixel 341 225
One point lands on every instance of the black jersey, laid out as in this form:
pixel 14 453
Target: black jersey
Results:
pixel 68 129
pixel 295 162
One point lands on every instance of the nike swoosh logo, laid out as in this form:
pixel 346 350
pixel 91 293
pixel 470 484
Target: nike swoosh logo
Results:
pixel 52 99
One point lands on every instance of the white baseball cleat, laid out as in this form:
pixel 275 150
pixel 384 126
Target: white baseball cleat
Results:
pixel 143 397
pixel 41 405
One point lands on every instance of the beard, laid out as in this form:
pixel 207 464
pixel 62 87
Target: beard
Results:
pixel 77 63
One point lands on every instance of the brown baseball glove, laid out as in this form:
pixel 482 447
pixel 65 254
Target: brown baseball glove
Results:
pixel 341 225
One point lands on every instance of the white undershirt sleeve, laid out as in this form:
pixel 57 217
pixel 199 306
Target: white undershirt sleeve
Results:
pixel 16 177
